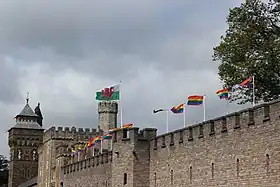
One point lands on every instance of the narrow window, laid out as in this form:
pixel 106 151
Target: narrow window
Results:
pixel 124 133
pixel 155 179
pixel 251 117
pixel 266 111
pixel 224 124
pixel 163 142
pixel 115 136
pixel 181 137
pixel 171 177
pixel 237 121
pixel 237 167
pixel 28 173
pixel 125 178
pixel 155 143
pixel 191 174
pixel 201 131
pixel 190 134
pixel 212 128
pixel 267 164
pixel 172 139
pixel 212 169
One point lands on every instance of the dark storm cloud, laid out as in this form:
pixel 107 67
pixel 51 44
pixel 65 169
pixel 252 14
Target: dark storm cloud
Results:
pixel 113 38
pixel 160 49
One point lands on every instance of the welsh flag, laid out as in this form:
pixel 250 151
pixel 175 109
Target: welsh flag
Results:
pixel 109 94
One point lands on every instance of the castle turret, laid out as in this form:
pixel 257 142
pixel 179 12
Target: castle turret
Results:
pixel 24 139
pixel 108 112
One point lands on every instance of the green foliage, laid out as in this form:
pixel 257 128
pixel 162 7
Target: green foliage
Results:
pixel 251 47
pixel 4 163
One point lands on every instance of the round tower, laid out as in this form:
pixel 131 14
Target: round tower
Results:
pixel 108 111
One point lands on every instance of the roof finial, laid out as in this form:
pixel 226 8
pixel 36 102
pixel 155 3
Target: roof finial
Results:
pixel 27 98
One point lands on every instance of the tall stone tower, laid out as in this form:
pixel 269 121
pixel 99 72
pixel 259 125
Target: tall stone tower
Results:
pixel 24 139
pixel 108 111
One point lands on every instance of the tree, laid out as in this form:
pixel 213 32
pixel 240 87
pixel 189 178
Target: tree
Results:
pixel 4 163
pixel 4 170
pixel 251 47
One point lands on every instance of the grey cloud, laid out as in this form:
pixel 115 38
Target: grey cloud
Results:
pixel 8 81
pixel 110 39
pixel 160 49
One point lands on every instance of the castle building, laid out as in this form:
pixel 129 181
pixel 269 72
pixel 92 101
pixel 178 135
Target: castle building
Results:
pixel 240 149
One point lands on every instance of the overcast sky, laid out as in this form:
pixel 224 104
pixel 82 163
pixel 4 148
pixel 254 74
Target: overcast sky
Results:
pixel 63 51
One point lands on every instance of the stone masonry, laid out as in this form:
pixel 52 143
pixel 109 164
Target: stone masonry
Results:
pixel 240 149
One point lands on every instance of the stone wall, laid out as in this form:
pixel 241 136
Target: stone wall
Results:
pixel 240 149
pixel 94 171
pixel 54 138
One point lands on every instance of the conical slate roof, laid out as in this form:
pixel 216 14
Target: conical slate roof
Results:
pixel 27 124
pixel 27 111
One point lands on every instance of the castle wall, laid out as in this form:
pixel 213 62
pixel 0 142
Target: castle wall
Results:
pixel 53 138
pixel 94 171
pixel 240 149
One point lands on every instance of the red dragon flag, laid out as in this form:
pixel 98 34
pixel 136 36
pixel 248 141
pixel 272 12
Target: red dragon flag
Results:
pixel 109 94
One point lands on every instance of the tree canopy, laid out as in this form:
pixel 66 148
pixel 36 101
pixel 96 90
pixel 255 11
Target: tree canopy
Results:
pixel 251 47
pixel 4 163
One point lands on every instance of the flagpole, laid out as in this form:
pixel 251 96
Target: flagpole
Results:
pixel 253 90
pixel 227 107
pixel 204 108
pixel 101 146
pixel 184 115
pixel 121 117
pixel 167 128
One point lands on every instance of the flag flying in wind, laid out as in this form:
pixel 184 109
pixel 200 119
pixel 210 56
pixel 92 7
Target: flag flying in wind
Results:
pixel 178 109
pixel 159 110
pixel 126 126
pixel 223 93
pixel 107 136
pixel 195 100
pixel 109 94
pixel 247 82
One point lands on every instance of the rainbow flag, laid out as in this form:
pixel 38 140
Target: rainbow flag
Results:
pixel 247 82
pixel 97 139
pixel 223 93
pixel 107 136
pixel 91 142
pixel 195 100
pixel 126 126
pixel 178 109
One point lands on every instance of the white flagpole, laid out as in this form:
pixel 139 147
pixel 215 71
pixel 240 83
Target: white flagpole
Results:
pixel 184 115
pixel 111 147
pixel 227 107
pixel 101 146
pixel 92 150
pixel 121 117
pixel 204 108
pixel 253 90
pixel 167 128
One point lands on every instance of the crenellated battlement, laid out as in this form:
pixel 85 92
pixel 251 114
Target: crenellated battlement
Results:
pixel 79 134
pixel 133 135
pixel 108 107
pixel 99 160
pixel 222 126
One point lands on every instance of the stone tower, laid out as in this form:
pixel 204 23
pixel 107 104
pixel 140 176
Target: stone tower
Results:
pixel 108 112
pixel 24 139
